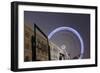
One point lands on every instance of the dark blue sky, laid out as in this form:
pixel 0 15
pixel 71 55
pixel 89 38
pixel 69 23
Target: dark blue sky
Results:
pixel 48 21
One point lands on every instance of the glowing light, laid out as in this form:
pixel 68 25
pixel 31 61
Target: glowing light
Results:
pixel 73 31
pixel 63 47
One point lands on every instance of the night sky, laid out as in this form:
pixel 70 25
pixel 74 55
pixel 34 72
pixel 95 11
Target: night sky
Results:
pixel 48 21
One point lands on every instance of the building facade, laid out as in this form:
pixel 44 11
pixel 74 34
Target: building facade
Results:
pixel 37 47
pixel 28 33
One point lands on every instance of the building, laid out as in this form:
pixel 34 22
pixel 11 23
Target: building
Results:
pixel 28 33
pixel 42 45
pixel 37 47
pixel 57 53
pixel 54 51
